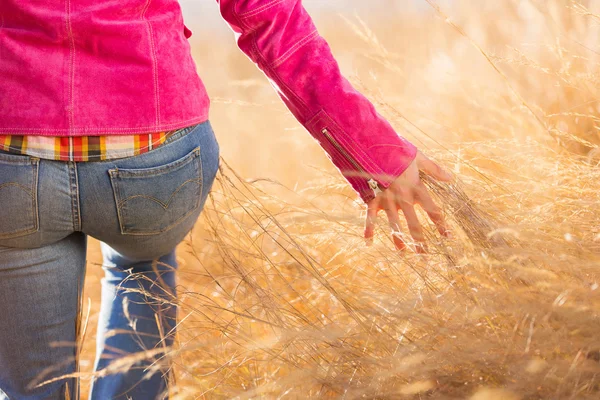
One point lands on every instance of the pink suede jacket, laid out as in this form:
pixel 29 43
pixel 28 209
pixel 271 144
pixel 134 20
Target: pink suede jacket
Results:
pixel 99 67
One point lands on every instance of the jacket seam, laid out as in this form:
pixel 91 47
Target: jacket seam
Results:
pixel 71 65
pixel 103 130
pixel 291 51
pixel 305 107
pixel 360 180
pixel 311 125
pixel 260 9
pixel 154 62
pixel 260 57
pixel 362 158
pixel 312 121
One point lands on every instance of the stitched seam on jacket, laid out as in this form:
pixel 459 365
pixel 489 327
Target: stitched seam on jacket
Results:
pixel 361 158
pixel 292 50
pixel 389 177
pixel 365 159
pixel 106 130
pixel 260 9
pixel 259 56
pixel 154 62
pixel 305 108
pixel 71 64
pixel 314 119
pixel 312 126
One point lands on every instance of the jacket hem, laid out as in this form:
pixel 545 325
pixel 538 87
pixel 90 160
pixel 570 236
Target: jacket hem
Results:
pixel 60 132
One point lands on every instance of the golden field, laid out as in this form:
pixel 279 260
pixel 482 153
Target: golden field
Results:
pixel 280 298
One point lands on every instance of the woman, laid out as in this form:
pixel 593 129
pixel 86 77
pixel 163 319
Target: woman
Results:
pixel 105 133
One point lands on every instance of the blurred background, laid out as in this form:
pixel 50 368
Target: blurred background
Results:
pixel 280 297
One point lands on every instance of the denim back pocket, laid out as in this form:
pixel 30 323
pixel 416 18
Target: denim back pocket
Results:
pixel 153 200
pixel 18 195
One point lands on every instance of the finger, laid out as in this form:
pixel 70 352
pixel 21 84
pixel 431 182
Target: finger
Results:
pixel 432 169
pixel 370 222
pixel 414 226
pixel 433 210
pixel 391 210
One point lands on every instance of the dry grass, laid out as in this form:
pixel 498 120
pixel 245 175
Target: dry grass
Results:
pixel 280 297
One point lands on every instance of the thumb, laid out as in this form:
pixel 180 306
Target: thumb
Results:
pixel 432 169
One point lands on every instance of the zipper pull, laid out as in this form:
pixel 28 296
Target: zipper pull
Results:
pixel 374 186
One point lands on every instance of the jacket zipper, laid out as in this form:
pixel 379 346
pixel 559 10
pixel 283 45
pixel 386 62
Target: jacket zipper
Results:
pixel 373 185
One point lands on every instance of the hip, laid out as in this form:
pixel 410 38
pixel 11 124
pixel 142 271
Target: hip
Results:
pixel 141 205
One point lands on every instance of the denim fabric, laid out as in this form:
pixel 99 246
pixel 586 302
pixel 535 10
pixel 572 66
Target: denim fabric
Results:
pixel 140 208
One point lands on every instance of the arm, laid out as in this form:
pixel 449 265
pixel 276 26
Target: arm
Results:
pixel 280 37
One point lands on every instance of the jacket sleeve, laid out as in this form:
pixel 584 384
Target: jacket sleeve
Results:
pixel 281 38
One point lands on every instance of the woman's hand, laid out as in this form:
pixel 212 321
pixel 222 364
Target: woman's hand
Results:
pixel 406 191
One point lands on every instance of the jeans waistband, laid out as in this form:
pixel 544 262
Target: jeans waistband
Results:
pixel 181 133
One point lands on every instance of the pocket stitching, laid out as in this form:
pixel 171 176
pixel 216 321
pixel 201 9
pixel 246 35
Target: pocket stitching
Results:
pixel 34 162
pixel 115 173
pixel 168 204
pixel 24 188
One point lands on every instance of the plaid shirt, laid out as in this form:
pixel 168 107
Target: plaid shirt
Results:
pixel 83 148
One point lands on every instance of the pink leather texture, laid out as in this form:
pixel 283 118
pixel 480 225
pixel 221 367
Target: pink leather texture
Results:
pixel 83 67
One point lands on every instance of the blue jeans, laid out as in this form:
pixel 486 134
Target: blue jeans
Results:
pixel 140 208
